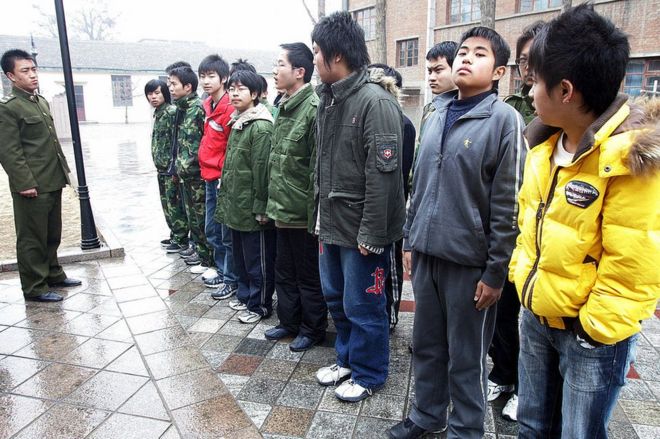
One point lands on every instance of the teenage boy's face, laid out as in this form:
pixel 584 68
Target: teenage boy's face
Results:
pixel 241 97
pixel 523 66
pixel 177 89
pixel 548 103
pixel 474 67
pixel 284 74
pixel 156 98
pixel 211 82
pixel 439 75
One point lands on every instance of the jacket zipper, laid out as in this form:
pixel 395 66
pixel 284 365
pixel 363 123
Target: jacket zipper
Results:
pixel 528 287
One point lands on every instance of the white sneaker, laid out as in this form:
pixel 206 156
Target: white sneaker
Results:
pixel 510 410
pixel 249 317
pixel 331 375
pixel 495 390
pixel 209 274
pixel 198 269
pixel 237 305
pixel 351 391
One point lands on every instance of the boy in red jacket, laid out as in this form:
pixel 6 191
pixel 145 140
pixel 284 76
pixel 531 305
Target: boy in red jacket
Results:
pixel 213 74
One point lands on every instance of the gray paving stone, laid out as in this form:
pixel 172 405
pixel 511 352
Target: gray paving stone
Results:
pixel 636 390
pixel 327 425
pixel 281 351
pixel 372 427
pixel 647 431
pixel 234 383
pixel 251 346
pixel 330 403
pixel 256 411
pixel 384 406
pixel 261 390
pixel 304 396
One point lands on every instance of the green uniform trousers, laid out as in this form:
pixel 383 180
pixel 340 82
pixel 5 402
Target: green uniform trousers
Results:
pixel 194 197
pixel 171 200
pixel 38 233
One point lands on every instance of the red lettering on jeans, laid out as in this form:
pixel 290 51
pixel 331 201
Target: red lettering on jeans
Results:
pixel 379 282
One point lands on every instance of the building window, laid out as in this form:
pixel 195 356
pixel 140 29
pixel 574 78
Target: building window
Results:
pixel 366 18
pixel 642 77
pixel 122 92
pixel 537 5
pixel 407 51
pixel 461 11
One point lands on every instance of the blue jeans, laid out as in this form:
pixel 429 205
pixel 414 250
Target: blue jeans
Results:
pixel 219 237
pixel 566 390
pixel 354 289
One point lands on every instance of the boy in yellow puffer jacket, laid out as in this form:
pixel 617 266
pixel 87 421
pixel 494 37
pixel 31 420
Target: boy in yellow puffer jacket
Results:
pixel 585 263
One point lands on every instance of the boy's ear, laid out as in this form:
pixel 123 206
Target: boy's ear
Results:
pixel 567 91
pixel 498 73
pixel 188 88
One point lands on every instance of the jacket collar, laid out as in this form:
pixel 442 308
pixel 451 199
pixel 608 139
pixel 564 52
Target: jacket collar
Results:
pixel 187 101
pixel 344 87
pixel 288 103
pixel 221 107
pixel 260 112
pixel 481 110
pixel 19 92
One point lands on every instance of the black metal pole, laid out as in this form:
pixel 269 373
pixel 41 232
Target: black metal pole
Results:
pixel 89 239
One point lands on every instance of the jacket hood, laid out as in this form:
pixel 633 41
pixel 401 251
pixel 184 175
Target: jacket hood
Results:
pixel 637 137
pixel 377 76
pixel 260 112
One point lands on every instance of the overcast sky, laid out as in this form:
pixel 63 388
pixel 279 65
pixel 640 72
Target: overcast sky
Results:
pixel 255 24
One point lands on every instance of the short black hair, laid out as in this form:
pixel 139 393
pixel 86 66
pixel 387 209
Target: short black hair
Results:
pixel 498 45
pixel 338 34
pixel 586 49
pixel 9 58
pixel 186 76
pixel 528 33
pixel 264 84
pixel 176 65
pixel 249 79
pixel 241 64
pixel 444 49
pixel 389 71
pixel 153 86
pixel 300 56
pixel 214 63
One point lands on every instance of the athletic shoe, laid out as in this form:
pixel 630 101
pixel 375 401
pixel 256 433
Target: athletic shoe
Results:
pixel 193 260
pixel 198 269
pixel 186 252
pixel 173 247
pixel 249 317
pixel 209 274
pixel 225 293
pixel 331 375
pixel 350 391
pixel 495 390
pixel 277 333
pixel 510 410
pixel 165 242
pixel 214 282
pixel 237 305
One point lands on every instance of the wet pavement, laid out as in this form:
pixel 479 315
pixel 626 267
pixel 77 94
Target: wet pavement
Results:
pixel 140 350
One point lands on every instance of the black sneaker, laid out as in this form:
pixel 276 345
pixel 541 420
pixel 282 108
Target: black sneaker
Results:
pixel 187 252
pixel 214 282
pixel 174 248
pixel 192 260
pixel 225 292
pixel 165 242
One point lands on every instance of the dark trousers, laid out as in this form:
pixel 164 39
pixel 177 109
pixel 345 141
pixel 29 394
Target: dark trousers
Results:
pixel 450 339
pixel 506 344
pixel 300 303
pixel 395 283
pixel 254 266
pixel 38 224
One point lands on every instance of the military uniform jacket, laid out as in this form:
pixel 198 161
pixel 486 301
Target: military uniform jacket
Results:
pixel 30 153
pixel 188 130
pixel 161 137
pixel 522 102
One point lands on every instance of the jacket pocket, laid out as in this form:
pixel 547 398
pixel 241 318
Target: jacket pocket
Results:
pixel 387 152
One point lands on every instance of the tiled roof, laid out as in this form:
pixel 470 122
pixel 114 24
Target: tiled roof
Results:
pixel 144 56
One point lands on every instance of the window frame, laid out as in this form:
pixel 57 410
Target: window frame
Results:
pixel 411 59
pixel 646 74
pixel 122 95
pixel 474 12
pixel 547 5
pixel 359 17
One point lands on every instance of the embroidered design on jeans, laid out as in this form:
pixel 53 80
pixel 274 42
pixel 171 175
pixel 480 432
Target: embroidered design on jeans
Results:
pixel 379 282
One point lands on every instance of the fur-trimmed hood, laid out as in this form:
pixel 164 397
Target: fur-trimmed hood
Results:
pixel 377 76
pixel 259 112
pixel 640 130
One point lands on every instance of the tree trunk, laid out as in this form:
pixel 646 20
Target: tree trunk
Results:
pixel 381 33
pixel 488 13
pixel 566 5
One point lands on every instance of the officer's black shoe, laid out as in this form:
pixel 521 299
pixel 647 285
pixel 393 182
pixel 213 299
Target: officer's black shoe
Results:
pixel 277 333
pixel 165 242
pixel 173 248
pixel 302 343
pixel 68 282
pixel 50 296
pixel 407 429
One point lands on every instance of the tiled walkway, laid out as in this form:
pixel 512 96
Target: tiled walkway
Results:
pixel 141 351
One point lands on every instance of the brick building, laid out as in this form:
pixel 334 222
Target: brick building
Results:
pixel 413 26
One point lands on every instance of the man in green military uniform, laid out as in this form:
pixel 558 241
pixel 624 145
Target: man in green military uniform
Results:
pixel 33 159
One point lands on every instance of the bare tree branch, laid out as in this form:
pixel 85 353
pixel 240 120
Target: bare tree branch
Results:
pixel 46 22
pixel 94 21
pixel 311 16
pixel 488 13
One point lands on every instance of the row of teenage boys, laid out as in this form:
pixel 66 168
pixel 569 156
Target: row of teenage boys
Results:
pixel 578 238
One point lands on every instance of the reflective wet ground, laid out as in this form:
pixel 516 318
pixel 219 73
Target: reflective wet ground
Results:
pixel 141 351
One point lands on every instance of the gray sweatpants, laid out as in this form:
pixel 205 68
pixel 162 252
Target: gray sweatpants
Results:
pixel 450 342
